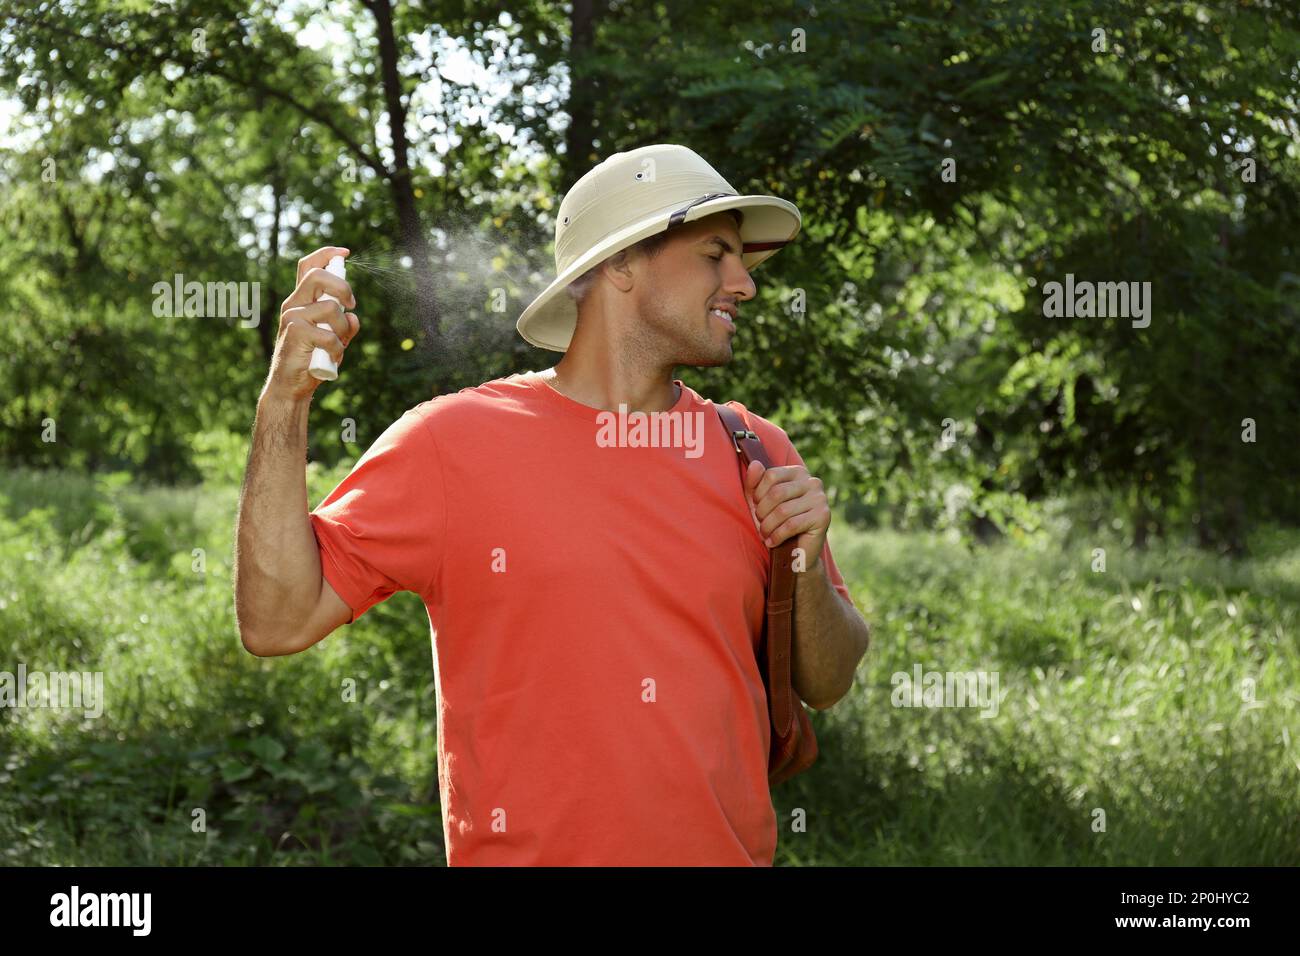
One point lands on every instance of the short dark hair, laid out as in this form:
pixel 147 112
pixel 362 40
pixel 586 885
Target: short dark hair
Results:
pixel 650 247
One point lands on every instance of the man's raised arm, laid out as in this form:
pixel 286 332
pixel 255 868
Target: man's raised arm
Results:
pixel 283 604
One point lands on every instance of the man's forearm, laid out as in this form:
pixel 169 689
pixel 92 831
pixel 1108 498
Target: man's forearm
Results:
pixel 830 638
pixel 277 563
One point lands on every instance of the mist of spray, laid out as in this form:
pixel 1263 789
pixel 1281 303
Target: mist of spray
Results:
pixel 474 288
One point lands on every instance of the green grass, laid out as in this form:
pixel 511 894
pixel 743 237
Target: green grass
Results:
pixel 1123 693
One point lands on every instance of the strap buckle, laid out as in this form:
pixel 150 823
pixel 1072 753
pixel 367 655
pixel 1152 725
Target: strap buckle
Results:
pixel 737 436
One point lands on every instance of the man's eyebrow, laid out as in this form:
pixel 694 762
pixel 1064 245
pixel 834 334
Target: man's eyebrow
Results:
pixel 726 246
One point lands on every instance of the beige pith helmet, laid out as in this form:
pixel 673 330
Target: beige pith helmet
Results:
pixel 633 195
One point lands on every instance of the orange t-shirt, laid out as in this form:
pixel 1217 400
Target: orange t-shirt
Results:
pixel 596 603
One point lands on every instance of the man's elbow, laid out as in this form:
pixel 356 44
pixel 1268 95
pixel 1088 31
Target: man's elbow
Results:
pixel 826 703
pixel 262 645
pixel 277 636
pixel 251 638
pixel 254 644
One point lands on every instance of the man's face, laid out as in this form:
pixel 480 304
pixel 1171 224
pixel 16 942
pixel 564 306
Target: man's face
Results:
pixel 697 270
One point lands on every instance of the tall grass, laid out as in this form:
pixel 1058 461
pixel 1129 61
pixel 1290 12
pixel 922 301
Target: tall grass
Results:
pixel 1148 712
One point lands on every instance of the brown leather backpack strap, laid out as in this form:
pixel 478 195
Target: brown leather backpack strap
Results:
pixel 780 590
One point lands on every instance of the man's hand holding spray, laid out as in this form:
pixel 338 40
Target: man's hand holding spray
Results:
pixel 315 326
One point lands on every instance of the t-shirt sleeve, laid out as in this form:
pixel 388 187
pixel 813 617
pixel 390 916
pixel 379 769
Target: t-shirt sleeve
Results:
pixel 381 529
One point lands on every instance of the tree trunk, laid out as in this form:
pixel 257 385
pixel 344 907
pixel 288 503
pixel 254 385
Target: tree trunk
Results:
pixel 1237 524
pixel 580 137
pixel 413 240
pixel 1141 517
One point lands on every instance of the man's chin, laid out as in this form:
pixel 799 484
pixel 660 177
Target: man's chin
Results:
pixel 710 359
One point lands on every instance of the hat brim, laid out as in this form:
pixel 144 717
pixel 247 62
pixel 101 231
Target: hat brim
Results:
pixel 769 223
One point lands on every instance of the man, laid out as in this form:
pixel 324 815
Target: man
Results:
pixel 593 577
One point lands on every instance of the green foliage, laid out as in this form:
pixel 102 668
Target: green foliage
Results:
pixel 1123 691
pixel 924 296
pixel 98 575
pixel 227 160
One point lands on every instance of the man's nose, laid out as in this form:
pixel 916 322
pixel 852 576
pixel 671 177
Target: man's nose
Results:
pixel 737 280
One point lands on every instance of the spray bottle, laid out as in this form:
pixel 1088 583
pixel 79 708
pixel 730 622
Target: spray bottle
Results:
pixel 322 366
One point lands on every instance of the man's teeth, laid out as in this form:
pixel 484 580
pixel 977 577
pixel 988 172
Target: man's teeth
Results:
pixel 719 312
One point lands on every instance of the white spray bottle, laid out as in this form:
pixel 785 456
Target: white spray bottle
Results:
pixel 322 366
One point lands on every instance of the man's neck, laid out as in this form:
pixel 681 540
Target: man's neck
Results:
pixel 605 387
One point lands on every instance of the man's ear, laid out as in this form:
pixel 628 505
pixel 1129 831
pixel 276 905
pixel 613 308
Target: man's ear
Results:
pixel 618 270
